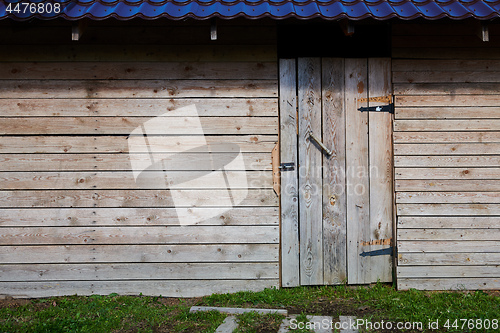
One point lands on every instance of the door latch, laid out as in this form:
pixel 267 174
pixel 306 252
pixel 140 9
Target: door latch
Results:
pixel 287 166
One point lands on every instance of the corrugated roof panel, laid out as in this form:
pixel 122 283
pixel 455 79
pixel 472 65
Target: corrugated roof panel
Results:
pixel 277 9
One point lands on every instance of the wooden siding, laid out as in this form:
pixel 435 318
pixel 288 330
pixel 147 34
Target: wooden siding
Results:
pixel 72 218
pixel 447 156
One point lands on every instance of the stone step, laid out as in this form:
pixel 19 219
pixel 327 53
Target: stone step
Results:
pixel 285 324
pixel 347 321
pixel 236 310
pixel 319 324
pixel 228 325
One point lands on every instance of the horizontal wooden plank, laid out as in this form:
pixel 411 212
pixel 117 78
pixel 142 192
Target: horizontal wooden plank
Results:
pixel 440 28
pixel 443 41
pixel 437 76
pixel 125 125
pixel 116 162
pixel 438 259
pixel 432 28
pixel 449 246
pixel 447 112
pixel 445 161
pixel 138 70
pixel 78 217
pixel 447 185
pixel 137 88
pixel 486 98
pixel 133 253
pixel 448 197
pixel 432 125
pixel 450 234
pixel 476 222
pixel 448 209
pixel 481 283
pixel 189 143
pixel 452 90
pixel 447 173
pixel 139 271
pixel 204 179
pixel 119 144
pixel 126 52
pixel 114 34
pixel 446 137
pixel 135 198
pixel 447 149
pixel 166 288
pixel 168 23
pixel 140 235
pixel 478 65
pixel 72 217
pixel 421 272
pixel 455 53
pixel 131 107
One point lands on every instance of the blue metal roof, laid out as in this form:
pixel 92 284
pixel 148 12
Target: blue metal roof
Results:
pixel 228 9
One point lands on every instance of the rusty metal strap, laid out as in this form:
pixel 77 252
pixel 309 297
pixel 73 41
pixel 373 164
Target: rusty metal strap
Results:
pixel 382 99
pixel 387 241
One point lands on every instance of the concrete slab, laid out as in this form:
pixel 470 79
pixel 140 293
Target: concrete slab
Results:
pixel 322 324
pixel 237 310
pixel 228 325
pixel 285 324
pixel 346 321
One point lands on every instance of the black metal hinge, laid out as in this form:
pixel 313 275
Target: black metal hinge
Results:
pixel 382 252
pixel 380 108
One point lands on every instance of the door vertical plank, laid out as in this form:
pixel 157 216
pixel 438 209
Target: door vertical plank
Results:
pixel 357 168
pixel 310 176
pixel 381 171
pixel 290 267
pixel 334 196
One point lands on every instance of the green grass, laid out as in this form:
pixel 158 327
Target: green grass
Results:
pixel 106 314
pixel 373 303
pixel 115 313
pixel 252 322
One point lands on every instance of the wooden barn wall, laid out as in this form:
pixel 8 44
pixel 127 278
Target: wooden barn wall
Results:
pixel 447 155
pixel 72 218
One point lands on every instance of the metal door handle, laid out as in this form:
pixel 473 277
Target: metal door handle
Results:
pixel 327 151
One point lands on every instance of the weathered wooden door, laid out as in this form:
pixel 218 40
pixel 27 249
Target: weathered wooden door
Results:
pixel 337 197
